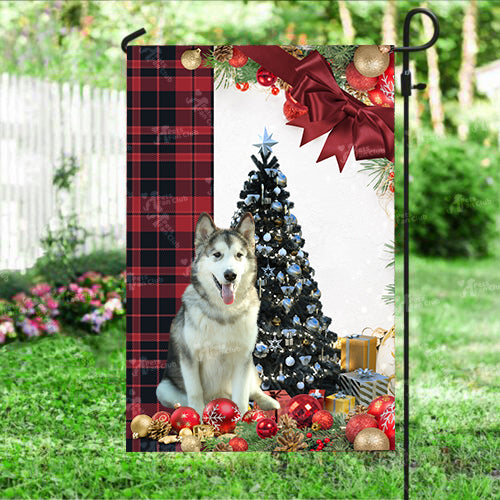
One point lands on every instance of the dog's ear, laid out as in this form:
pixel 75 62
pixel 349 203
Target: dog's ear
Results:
pixel 204 228
pixel 246 227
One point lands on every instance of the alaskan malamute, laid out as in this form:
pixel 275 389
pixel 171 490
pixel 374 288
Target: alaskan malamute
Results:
pixel 213 335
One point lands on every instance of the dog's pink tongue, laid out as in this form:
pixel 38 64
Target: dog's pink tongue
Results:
pixel 228 294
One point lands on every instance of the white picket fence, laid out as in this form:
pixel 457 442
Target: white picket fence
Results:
pixel 40 121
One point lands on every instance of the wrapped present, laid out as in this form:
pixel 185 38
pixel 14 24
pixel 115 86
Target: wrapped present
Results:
pixel 339 403
pixel 365 384
pixel 319 394
pixel 358 351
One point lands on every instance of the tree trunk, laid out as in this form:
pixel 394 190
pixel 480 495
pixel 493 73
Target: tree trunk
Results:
pixel 466 75
pixel 436 106
pixel 346 20
pixel 389 34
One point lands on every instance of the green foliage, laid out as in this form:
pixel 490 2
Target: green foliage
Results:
pixel 12 282
pixel 454 192
pixel 65 173
pixel 108 262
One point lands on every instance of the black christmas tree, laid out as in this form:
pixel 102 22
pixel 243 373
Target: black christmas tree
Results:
pixel 294 347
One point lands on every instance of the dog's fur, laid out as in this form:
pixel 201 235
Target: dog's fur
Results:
pixel 212 339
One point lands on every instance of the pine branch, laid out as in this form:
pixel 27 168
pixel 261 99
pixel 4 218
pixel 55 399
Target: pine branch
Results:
pixel 389 297
pixel 338 441
pixel 378 170
pixel 390 249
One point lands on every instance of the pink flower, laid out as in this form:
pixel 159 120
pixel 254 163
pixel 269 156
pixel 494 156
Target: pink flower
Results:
pixel 2 337
pixel 52 326
pixel 40 289
pixel 95 302
pixel 51 303
pixel 61 289
pixel 19 297
pixel 73 287
pixel 42 308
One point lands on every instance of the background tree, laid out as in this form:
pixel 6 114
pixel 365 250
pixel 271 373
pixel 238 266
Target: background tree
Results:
pixel 434 90
pixel 466 75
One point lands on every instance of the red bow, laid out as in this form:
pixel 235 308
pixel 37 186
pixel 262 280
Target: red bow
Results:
pixel 370 129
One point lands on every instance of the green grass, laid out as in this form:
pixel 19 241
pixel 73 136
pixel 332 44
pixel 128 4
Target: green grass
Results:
pixel 63 413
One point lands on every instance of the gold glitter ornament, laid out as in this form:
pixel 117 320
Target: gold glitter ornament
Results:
pixel 191 59
pixel 190 443
pixel 369 61
pixel 186 431
pixel 140 426
pixel 371 439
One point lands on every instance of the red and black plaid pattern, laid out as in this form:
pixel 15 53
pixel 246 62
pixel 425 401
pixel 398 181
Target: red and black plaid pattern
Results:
pixel 169 183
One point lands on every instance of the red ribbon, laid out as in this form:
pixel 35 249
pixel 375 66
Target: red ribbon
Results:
pixel 370 129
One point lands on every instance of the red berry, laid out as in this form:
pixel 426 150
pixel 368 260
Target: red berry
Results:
pixel 391 187
pixel 318 441
pixel 309 435
pixel 391 175
pixel 275 90
pixel 327 440
pixel 245 86
pixel 238 85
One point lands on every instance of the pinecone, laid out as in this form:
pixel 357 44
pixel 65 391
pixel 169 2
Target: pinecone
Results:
pixel 158 429
pixel 357 410
pixel 223 53
pixel 290 440
pixel 358 94
pixel 286 422
pixel 293 51
pixel 223 447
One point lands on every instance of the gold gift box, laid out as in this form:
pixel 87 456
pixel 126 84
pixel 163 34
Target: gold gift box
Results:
pixel 358 351
pixel 341 404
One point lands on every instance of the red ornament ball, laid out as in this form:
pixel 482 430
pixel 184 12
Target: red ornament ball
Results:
pixel 253 416
pixel 184 417
pixel 358 423
pixel 358 81
pixel 387 424
pixel 379 405
pixel 265 78
pixel 222 414
pixel 309 435
pixel 275 90
pixel 238 444
pixel 292 108
pixel 162 416
pixel 302 408
pixel 239 59
pixel 266 427
pixel 379 98
pixel 324 418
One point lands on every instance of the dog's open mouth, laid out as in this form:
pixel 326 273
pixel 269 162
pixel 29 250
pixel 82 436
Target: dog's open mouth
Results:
pixel 226 291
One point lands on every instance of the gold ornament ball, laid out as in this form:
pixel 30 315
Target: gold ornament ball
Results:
pixel 191 443
pixel 185 432
pixel 371 439
pixel 369 61
pixel 139 426
pixel 191 59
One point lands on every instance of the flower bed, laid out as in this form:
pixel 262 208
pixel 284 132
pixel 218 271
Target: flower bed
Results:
pixel 93 302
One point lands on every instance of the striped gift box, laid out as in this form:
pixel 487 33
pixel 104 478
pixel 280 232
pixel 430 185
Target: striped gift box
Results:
pixel 364 384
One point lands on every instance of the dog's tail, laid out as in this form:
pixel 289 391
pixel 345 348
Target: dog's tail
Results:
pixel 169 395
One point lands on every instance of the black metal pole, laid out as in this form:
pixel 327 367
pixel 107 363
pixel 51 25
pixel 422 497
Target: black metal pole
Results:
pixel 406 87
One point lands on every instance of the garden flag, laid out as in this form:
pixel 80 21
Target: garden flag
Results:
pixel 260 241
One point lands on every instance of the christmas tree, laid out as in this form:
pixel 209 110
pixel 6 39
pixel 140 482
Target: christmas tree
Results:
pixel 294 347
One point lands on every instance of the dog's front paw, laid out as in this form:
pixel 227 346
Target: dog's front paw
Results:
pixel 266 402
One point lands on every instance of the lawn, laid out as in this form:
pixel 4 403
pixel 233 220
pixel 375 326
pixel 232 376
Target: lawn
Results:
pixel 63 412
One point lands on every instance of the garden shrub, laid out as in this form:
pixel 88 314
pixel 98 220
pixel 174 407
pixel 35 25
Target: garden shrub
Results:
pixel 12 282
pixel 107 262
pixel 453 197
